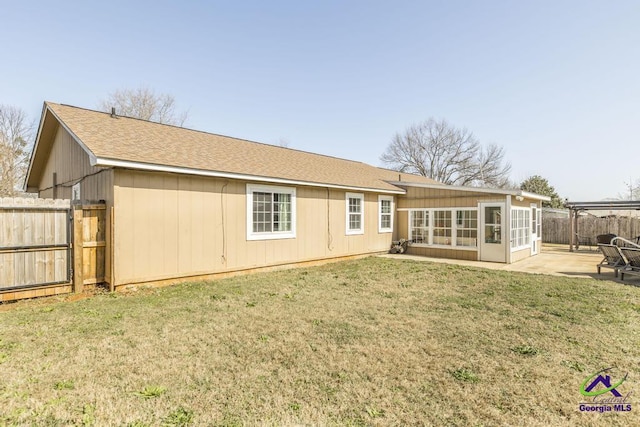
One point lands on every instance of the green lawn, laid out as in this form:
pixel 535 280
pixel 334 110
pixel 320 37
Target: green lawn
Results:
pixel 368 342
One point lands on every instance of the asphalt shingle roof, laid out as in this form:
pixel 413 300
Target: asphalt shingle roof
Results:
pixel 133 140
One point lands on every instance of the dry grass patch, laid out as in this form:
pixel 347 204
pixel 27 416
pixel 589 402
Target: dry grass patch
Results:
pixel 368 342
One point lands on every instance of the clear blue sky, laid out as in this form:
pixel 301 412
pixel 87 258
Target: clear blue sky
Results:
pixel 557 83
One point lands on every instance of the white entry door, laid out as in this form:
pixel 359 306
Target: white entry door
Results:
pixel 535 212
pixel 493 245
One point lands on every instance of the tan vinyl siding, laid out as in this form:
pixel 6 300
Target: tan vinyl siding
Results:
pixel 402 225
pixel 526 203
pixel 443 253
pixel 425 198
pixel 70 163
pixel 171 225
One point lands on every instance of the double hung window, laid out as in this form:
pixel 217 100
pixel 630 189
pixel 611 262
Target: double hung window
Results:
pixel 355 213
pixel 271 212
pixel 385 214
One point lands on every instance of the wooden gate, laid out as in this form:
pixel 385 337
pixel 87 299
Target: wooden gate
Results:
pixel 89 244
pixel 35 247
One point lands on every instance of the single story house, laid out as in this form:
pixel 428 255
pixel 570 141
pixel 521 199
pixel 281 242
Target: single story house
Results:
pixel 188 204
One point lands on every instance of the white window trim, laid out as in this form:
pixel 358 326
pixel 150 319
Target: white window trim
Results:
pixel 346 199
pixel 270 235
pixel 454 229
pixel 380 228
pixel 533 230
pixel 527 245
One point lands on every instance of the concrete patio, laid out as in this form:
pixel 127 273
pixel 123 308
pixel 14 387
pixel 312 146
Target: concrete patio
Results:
pixel 553 259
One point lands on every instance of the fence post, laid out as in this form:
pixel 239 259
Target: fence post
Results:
pixel 78 273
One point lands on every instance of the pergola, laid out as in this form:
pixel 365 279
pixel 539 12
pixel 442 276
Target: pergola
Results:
pixel 576 207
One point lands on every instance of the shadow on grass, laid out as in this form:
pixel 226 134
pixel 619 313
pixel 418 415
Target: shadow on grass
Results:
pixel 604 277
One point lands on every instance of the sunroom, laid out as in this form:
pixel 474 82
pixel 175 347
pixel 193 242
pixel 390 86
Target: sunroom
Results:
pixel 469 223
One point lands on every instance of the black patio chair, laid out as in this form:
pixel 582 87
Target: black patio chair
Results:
pixel 605 238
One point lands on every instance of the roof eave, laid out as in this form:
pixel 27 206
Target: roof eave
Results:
pixel 535 196
pixel 126 164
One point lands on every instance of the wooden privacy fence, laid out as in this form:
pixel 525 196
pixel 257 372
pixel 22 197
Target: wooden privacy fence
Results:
pixel 49 247
pixel 557 230
pixel 35 243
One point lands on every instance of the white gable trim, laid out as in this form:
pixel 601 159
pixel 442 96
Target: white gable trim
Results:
pixel 35 148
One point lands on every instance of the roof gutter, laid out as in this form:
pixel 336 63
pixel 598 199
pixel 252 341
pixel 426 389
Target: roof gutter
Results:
pixel 105 162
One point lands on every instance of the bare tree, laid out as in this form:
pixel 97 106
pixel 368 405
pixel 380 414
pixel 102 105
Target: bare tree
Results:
pixel 440 151
pixel 15 148
pixel 145 104
pixel 633 191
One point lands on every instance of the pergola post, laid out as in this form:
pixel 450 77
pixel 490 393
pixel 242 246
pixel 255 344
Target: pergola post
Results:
pixel 576 241
pixel 571 230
